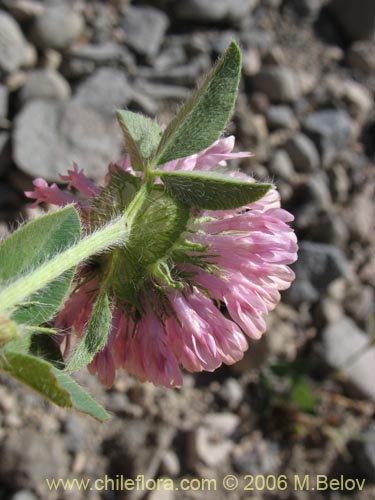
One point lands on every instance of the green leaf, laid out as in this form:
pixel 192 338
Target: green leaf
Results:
pixel 80 400
pixel 96 335
pixel 142 137
pixel 302 394
pixel 31 245
pixel 211 190
pixel 204 116
pixel 49 382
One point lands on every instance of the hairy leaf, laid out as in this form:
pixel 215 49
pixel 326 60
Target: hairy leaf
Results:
pixel 29 247
pixel 204 116
pixel 49 382
pixel 211 190
pixel 141 135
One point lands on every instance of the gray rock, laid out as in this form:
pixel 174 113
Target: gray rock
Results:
pixel 49 136
pixel 364 451
pixel 331 130
pixel 161 90
pixel 171 56
pixel 359 99
pixel 361 215
pixel 251 61
pixel 24 10
pixel 280 117
pixel 145 28
pixel 162 494
pixel 356 19
pixel 318 265
pixel 13 45
pixel 259 39
pixel 3 101
pixel 258 456
pixel 102 54
pixel 45 84
pixel 213 11
pixel 340 343
pixel 312 198
pixel 279 83
pixel 361 55
pixel 360 303
pixel 143 103
pixel 209 443
pixel 223 423
pixel 5 154
pixel 184 74
pixel 308 8
pixel 328 227
pixel 105 91
pixel 282 166
pixel 74 434
pixel 57 27
pixel 24 495
pixel 232 393
pixel 303 153
pixel 273 3
pixel 35 456
pixel 170 464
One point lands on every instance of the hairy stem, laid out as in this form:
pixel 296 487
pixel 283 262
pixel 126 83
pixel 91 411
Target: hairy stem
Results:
pixel 112 234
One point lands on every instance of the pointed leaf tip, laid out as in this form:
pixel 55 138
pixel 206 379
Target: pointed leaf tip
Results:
pixel 202 119
pixel 141 136
pixel 50 382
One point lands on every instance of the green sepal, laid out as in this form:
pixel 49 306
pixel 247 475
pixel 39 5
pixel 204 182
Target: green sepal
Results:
pixel 156 225
pixel 30 246
pixel 211 190
pixel 202 119
pixel 96 334
pixel 142 137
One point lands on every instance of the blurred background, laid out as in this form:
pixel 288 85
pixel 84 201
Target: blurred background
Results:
pixel 302 400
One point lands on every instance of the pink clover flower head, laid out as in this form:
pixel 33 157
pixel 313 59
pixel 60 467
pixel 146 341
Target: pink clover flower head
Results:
pixel 169 293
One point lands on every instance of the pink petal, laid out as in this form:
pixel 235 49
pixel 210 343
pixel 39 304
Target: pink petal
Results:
pixel 78 180
pixel 49 194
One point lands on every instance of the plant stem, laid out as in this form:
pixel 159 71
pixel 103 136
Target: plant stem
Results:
pixel 112 234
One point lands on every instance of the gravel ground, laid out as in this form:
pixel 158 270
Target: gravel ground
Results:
pixel 302 400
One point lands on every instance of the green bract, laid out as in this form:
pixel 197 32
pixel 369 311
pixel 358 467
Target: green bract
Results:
pixel 156 221
pixel 96 334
